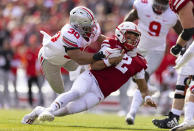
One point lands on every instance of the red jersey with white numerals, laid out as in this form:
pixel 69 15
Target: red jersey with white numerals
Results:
pixel 176 5
pixel 112 78
pixel 53 47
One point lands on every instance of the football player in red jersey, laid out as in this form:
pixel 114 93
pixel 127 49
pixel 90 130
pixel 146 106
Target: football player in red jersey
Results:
pixel 105 77
pixel 185 12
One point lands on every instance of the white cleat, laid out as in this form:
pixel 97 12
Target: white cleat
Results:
pixel 184 126
pixel 46 116
pixel 31 117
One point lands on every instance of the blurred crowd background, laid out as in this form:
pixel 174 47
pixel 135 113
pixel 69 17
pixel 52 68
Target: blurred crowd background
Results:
pixel 20 41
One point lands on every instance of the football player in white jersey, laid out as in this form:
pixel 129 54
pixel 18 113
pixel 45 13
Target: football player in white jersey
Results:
pixel 155 19
pixel 65 48
pixel 185 10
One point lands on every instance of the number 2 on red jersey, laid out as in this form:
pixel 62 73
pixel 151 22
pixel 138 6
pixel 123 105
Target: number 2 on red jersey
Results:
pixel 122 65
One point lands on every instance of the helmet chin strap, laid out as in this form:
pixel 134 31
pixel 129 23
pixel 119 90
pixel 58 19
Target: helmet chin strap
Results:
pixel 128 46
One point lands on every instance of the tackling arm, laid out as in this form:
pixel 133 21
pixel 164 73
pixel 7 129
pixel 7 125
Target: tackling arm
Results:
pixel 101 38
pixel 131 16
pixel 82 57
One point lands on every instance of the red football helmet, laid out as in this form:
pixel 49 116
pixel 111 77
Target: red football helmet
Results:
pixel 127 27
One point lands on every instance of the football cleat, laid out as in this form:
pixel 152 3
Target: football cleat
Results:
pixel 167 123
pixel 184 126
pixel 46 116
pixel 31 117
pixel 130 119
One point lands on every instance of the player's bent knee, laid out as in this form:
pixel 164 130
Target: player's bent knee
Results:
pixel 73 107
pixel 179 92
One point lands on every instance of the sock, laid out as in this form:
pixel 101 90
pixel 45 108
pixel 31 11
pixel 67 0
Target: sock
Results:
pixel 189 112
pixel 136 102
pixel 63 100
pixel 176 112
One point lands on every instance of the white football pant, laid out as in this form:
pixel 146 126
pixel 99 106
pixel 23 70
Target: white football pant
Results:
pixel 53 73
pixel 83 95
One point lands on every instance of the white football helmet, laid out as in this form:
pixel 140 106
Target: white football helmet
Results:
pixel 83 20
pixel 127 27
pixel 159 6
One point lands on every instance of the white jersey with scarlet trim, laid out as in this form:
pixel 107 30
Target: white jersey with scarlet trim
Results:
pixel 153 27
pixel 53 49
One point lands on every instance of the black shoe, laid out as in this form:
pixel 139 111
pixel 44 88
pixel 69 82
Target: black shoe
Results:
pixel 130 121
pixel 167 123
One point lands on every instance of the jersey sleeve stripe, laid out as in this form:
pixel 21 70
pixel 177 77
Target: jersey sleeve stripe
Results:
pixel 176 1
pixel 69 42
pixel 178 4
pixel 105 44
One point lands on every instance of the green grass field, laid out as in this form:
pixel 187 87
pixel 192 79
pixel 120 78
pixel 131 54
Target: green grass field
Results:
pixel 10 121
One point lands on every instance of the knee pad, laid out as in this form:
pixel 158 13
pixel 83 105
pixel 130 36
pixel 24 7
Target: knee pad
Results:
pixel 179 92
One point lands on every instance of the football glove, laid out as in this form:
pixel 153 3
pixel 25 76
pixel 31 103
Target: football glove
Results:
pixel 176 49
pixel 110 53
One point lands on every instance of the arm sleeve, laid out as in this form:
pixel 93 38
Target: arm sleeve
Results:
pixel 68 42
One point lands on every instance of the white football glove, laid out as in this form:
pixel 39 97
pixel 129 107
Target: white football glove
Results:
pixel 110 53
pixel 46 38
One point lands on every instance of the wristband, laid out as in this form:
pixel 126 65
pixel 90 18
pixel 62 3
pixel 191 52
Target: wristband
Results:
pixel 147 97
pixel 106 62
pixel 187 34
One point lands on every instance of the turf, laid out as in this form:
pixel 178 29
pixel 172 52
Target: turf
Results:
pixel 10 121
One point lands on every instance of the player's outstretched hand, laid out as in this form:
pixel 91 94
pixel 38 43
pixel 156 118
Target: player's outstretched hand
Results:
pixel 150 102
